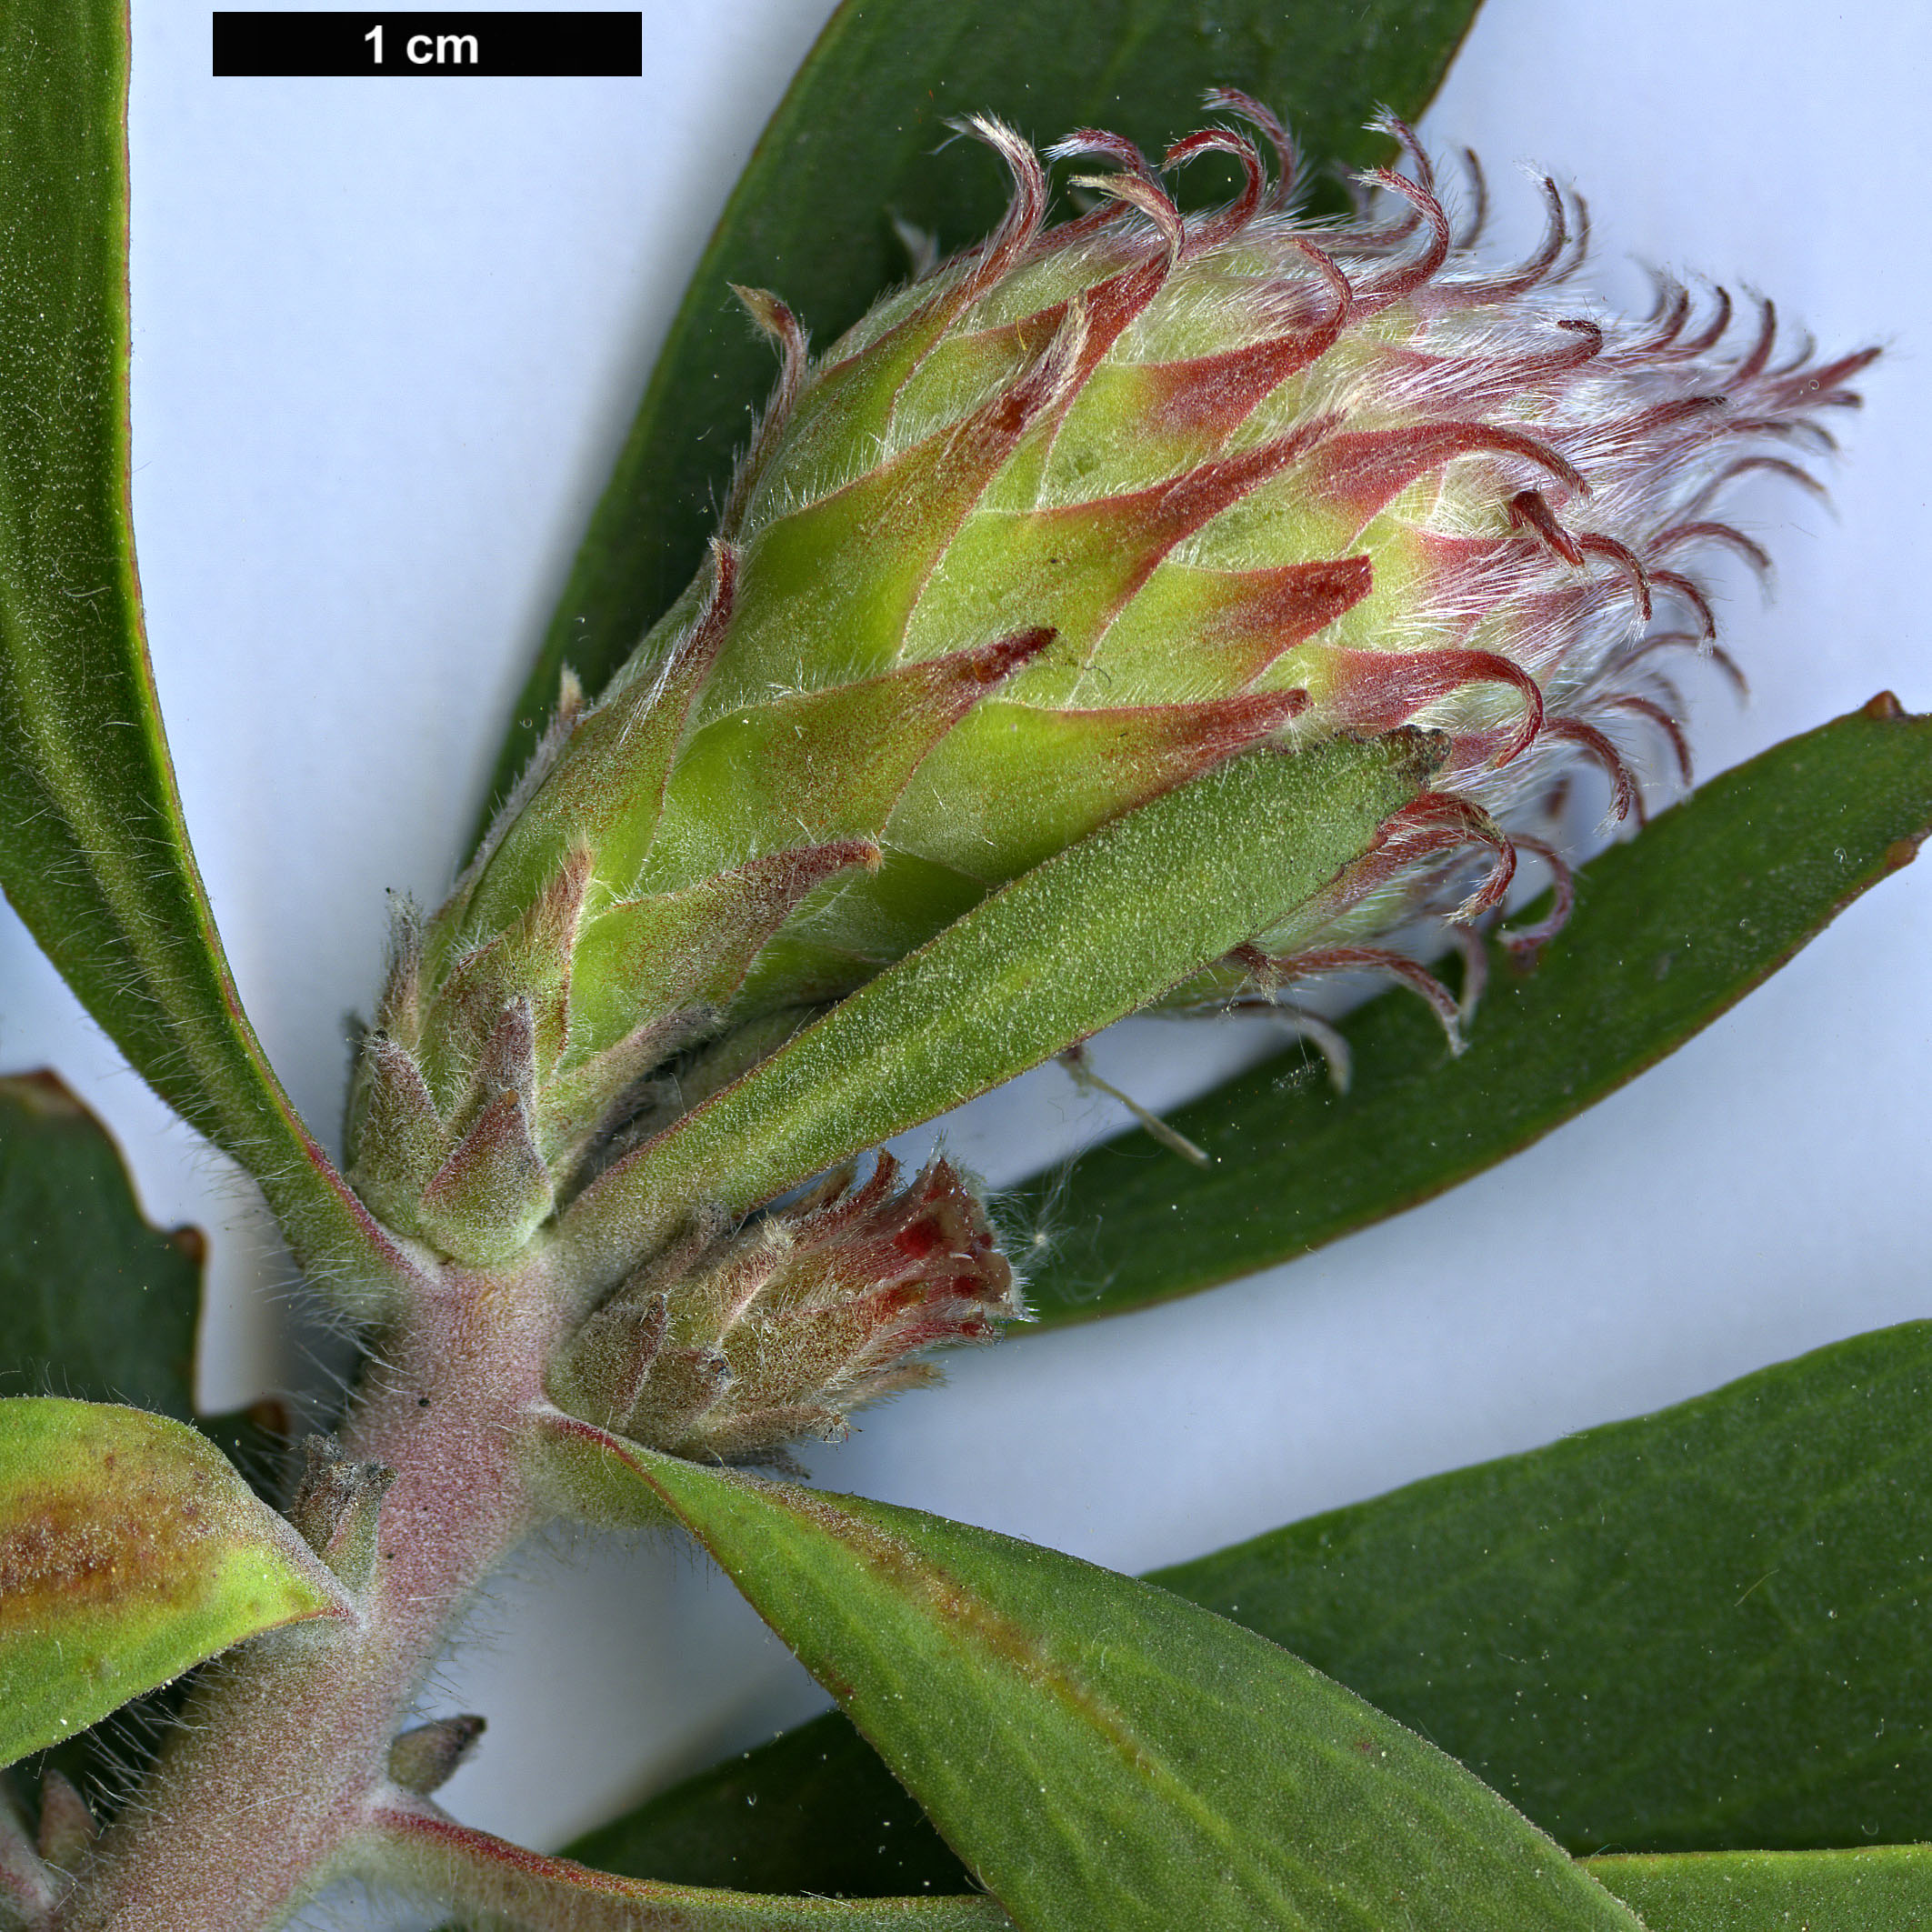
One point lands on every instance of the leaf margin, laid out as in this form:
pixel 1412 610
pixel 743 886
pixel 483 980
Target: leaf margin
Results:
pixel 732 1514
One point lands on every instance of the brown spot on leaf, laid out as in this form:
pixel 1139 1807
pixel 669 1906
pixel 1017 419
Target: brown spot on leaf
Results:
pixel 45 1093
pixel 103 1535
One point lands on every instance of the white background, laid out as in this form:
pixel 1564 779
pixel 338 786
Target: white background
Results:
pixel 386 340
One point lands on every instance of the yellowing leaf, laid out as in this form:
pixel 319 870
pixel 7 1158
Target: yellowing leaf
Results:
pixel 130 1549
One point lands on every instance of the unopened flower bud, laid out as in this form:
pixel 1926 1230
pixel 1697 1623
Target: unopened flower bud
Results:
pixel 727 1349
pixel 1078 516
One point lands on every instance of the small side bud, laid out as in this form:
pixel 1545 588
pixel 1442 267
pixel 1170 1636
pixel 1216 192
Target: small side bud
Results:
pixel 338 1508
pixel 67 1830
pixel 781 1331
pixel 423 1759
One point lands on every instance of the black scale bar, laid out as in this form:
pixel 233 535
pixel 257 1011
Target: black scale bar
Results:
pixel 428 43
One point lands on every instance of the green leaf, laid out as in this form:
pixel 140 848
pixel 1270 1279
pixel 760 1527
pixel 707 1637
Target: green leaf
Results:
pixel 1876 1888
pixel 1701 1630
pixel 1102 1754
pixel 855 143
pixel 129 1551
pixel 1669 932
pixel 93 1302
pixel 814 1810
pixel 94 854
pixel 1089 935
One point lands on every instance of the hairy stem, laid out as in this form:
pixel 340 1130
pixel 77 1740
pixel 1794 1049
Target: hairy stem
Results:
pixel 271 1785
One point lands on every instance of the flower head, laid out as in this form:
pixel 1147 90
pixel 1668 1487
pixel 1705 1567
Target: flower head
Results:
pixel 1077 517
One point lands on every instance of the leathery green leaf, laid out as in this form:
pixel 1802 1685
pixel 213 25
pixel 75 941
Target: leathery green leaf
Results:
pixel 93 1302
pixel 1700 1629
pixel 94 854
pixel 1103 1754
pixel 1669 932
pixel 1876 1888
pixel 1091 935
pixel 855 143
pixel 129 1550
pixel 98 1304
pixel 813 1810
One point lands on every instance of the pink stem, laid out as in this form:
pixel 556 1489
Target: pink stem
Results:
pixel 273 1784
pixel 426 1852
